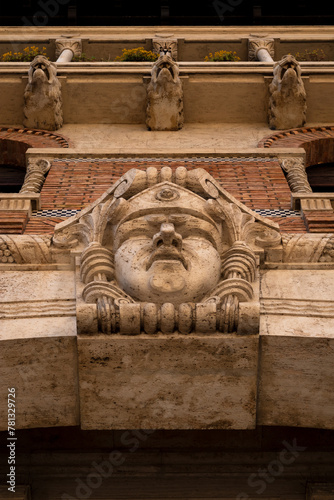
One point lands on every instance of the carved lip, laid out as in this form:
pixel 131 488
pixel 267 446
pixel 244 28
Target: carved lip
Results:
pixel 167 253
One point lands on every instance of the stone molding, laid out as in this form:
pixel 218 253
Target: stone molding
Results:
pixel 256 44
pixel 73 44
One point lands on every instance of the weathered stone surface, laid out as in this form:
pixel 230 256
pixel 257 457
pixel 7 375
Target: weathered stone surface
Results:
pixel 43 371
pixel 287 103
pixel 297 349
pixel 164 96
pixel 38 347
pixel 42 96
pixel 168 382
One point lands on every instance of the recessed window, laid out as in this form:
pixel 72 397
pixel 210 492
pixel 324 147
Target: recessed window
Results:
pixel 321 177
pixel 11 178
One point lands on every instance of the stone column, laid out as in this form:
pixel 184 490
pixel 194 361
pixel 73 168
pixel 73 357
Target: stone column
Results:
pixel 67 48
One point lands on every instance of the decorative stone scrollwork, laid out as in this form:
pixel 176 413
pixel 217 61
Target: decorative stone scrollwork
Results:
pixel 42 96
pixel 166 251
pixel 287 103
pixel 35 176
pixel 296 175
pixel 164 95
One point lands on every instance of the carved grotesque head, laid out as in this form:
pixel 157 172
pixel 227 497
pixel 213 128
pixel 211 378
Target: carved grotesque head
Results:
pixel 287 69
pixel 165 69
pixel 42 70
pixel 166 246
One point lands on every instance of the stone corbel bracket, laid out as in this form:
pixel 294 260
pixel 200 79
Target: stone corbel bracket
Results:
pixel 73 44
pixel 256 44
pixel 165 46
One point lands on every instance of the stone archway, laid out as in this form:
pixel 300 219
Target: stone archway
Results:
pixel 14 142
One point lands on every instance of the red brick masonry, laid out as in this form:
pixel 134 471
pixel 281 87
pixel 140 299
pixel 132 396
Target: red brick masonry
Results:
pixel 259 183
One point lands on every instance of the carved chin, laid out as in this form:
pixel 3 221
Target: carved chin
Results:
pixel 39 74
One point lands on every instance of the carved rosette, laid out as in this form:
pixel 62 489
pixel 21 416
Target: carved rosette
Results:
pixel 256 44
pixel 151 225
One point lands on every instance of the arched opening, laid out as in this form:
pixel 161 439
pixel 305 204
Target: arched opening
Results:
pixel 321 177
pixel 11 178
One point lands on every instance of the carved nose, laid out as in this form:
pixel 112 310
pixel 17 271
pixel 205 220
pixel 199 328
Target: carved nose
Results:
pixel 167 236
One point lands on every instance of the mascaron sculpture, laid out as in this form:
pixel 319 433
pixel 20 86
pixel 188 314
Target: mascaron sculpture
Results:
pixel 165 251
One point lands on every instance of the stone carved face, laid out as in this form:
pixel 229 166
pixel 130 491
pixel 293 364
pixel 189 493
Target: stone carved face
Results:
pixel 41 70
pixel 167 258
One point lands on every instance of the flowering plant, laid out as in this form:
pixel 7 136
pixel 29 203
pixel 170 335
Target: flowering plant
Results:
pixel 28 54
pixel 222 55
pixel 137 54
pixel 311 55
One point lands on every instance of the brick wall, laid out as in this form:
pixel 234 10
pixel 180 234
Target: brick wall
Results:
pixel 259 183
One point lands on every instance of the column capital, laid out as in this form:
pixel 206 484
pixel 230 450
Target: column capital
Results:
pixel 73 44
pixel 256 44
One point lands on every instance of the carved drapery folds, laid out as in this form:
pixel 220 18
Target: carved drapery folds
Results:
pixel 164 95
pixel 287 103
pixel 42 96
pixel 168 251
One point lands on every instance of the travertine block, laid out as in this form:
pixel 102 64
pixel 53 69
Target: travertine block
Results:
pixel 297 349
pixel 168 382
